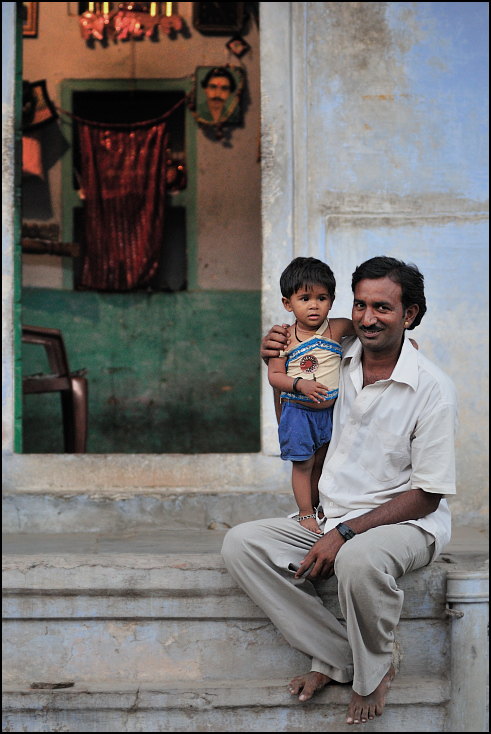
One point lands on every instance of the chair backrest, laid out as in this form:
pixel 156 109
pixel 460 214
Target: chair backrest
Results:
pixel 52 341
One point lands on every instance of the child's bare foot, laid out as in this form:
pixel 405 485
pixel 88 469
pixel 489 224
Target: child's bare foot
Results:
pixel 362 708
pixel 311 524
pixel 308 683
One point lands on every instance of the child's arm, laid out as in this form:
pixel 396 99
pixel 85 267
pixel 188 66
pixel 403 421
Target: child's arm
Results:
pixel 277 404
pixel 281 381
pixel 278 379
pixel 340 328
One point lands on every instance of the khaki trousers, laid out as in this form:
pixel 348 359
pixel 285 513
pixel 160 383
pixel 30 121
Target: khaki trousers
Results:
pixel 263 556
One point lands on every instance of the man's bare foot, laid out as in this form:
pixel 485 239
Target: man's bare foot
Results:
pixel 308 684
pixel 362 708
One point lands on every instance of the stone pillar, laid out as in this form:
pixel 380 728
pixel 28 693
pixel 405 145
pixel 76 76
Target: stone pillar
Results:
pixel 468 595
pixel 277 183
pixel 8 223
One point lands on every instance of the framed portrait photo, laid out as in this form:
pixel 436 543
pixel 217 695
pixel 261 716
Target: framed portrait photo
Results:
pixel 30 20
pixel 217 18
pixel 217 96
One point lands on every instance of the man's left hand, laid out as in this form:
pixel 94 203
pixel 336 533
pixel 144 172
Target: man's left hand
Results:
pixel 322 555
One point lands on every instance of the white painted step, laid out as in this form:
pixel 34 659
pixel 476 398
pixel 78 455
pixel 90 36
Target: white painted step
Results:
pixel 138 508
pixel 143 617
pixel 110 493
pixel 248 705
pixel 159 638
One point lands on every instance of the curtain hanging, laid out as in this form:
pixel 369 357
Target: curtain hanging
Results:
pixel 123 179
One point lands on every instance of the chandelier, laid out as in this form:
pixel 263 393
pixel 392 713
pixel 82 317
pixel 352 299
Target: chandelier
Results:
pixel 129 20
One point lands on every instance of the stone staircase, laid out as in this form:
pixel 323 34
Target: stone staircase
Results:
pixel 146 631
pixel 119 614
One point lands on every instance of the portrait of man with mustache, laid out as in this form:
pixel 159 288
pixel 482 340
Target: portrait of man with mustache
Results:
pixel 219 86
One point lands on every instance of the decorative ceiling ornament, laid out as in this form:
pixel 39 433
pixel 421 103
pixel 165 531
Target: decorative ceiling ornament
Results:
pixel 129 20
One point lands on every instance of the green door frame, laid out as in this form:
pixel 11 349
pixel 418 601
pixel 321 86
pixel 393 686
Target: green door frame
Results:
pixel 186 198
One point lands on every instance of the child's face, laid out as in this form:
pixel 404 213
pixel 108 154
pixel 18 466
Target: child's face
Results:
pixel 310 304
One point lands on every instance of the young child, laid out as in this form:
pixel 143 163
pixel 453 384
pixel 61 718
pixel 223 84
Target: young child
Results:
pixel 308 376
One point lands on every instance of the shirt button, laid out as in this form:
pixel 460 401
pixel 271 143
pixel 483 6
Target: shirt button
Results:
pixel 343 451
pixel 353 422
pixel 331 504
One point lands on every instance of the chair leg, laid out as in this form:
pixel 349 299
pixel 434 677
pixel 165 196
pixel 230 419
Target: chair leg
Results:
pixel 80 413
pixel 68 421
pixel 74 405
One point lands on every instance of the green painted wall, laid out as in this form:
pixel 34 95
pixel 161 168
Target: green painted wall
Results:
pixel 168 372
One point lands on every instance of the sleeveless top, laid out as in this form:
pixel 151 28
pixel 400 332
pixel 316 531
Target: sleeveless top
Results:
pixel 317 356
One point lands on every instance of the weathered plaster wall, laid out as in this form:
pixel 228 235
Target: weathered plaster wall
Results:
pixel 388 126
pixel 229 219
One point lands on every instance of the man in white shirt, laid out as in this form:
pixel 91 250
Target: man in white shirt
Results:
pixel 389 463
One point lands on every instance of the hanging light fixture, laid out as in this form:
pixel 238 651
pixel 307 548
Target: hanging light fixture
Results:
pixel 128 20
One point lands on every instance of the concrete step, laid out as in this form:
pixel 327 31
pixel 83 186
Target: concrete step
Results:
pixel 187 649
pixel 247 705
pixel 139 616
pixel 156 636
pixel 98 493
pixel 135 509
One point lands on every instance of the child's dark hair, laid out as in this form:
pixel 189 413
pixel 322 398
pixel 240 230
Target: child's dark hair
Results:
pixel 307 271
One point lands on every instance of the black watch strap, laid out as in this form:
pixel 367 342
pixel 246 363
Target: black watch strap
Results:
pixel 345 531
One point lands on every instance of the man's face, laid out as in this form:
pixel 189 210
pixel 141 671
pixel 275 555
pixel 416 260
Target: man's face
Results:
pixel 378 315
pixel 217 90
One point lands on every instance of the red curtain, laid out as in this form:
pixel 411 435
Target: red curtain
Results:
pixel 123 179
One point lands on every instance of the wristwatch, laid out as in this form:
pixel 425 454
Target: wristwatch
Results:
pixel 345 531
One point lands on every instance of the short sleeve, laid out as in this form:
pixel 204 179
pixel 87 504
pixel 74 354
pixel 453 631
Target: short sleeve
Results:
pixel 433 451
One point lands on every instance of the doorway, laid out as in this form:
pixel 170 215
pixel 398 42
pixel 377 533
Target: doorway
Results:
pixel 166 367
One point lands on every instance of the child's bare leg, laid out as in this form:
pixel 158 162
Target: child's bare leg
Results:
pixel 302 489
pixel 319 457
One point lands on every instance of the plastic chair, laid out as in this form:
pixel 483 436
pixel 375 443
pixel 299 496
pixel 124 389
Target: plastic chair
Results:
pixel 72 386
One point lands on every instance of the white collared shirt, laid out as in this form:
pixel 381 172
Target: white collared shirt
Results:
pixel 389 437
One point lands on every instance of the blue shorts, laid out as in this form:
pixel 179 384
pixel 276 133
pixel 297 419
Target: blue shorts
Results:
pixel 303 430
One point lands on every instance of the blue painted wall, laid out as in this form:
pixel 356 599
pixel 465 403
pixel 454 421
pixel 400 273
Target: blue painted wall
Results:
pixel 389 132
pixel 406 161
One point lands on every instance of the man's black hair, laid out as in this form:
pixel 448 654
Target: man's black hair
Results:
pixel 407 275
pixel 220 71
pixel 307 271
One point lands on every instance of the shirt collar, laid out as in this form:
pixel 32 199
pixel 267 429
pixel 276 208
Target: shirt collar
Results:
pixel 406 369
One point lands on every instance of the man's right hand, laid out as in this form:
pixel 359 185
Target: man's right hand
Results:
pixel 276 340
pixel 320 558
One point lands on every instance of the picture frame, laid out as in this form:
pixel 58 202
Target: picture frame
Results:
pixel 238 45
pixel 218 18
pixel 37 107
pixel 30 20
pixel 213 106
